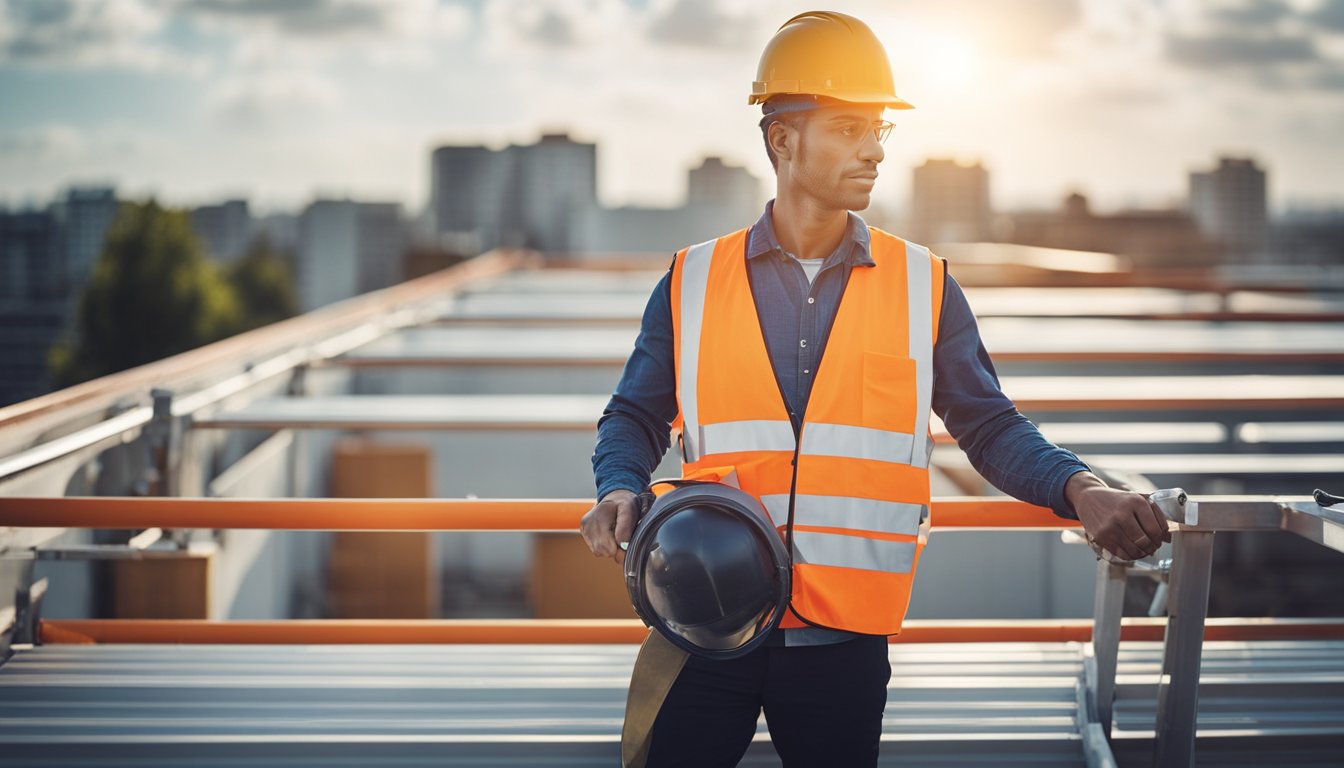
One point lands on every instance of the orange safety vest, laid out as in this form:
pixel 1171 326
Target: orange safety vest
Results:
pixel 855 513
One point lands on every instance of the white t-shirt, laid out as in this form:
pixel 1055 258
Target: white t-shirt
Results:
pixel 810 267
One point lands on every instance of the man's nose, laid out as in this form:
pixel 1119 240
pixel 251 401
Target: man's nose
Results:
pixel 871 149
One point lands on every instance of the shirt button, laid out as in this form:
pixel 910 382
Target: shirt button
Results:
pixel 802 343
pixel 811 300
pixel 806 371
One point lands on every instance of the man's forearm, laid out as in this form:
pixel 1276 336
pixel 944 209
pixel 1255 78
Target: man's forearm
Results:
pixel 629 448
pixel 1016 458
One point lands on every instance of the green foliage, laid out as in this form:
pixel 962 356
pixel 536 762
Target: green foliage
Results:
pixel 152 294
pixel 264 285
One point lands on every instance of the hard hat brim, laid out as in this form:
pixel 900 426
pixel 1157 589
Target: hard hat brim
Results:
pixel 886 99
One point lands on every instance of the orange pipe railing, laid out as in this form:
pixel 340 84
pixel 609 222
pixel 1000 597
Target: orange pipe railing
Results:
pixel 619 631
pixel 408 514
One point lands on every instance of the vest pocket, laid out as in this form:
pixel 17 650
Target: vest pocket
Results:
pixel 889 392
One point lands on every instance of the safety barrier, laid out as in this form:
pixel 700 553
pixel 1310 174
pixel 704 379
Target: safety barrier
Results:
pixel 616 631
pixel 1193 522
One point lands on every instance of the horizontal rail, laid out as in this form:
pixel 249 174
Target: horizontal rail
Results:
pixel 537 360
pixel 409 514
pixel 620 631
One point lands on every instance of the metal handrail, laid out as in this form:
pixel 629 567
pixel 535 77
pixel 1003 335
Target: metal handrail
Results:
pixel 121 512
pixel 258 355
pixel 614 631
pixel 1194 523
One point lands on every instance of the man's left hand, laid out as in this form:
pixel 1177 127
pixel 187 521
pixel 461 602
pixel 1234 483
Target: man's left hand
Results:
pixel 1124 523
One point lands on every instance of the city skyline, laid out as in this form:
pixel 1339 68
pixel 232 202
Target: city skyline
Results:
pixel 196 101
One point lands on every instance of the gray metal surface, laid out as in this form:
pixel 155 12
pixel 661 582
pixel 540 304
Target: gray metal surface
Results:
pixel 564 411
pixel 1268 703
pixel 515 288
pixel 948 704
pixel 417 412
pixel 472 705
pixel 575 344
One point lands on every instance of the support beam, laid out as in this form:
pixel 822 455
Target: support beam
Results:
pixel 1187 608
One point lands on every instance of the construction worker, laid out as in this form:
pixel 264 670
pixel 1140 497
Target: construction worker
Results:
pixel 801 358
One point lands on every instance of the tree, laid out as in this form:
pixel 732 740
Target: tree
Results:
pixel 152 294
pixel 264 285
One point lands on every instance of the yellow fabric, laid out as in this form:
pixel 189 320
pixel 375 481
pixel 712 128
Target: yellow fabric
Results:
pixel 656 668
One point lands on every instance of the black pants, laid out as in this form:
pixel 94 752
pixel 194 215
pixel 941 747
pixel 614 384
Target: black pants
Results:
pixel 823 705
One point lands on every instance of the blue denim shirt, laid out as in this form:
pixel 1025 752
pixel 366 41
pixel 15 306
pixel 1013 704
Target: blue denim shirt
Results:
pixel 1003 446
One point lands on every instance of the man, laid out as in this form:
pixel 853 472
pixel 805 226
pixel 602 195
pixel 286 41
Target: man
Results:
pixel 805 354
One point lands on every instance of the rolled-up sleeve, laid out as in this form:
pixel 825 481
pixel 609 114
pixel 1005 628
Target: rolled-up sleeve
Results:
pixel 1003 445
pixel 633 433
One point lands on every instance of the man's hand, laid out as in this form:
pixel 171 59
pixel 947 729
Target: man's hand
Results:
pixel 610 523
pixel 1125 524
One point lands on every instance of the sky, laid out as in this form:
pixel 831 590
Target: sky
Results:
pixel 280 101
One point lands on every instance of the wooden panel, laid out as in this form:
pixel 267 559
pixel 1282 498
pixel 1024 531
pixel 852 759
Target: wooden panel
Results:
pixel 177 588
pixel 567 582
pixel 381 575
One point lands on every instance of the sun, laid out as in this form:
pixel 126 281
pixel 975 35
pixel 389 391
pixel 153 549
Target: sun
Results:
pixel 950 61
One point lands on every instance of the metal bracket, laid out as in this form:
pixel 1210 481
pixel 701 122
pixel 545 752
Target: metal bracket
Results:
pixel 27 612
pixel 163 437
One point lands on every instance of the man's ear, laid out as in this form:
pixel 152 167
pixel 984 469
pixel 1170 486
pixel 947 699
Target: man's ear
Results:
pixel 779 140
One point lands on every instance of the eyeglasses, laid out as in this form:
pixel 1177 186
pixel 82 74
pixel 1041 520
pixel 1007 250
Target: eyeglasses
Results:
pixel 855 129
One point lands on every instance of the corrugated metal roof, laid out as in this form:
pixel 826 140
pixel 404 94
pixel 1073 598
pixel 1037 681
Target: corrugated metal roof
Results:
pixel 963 704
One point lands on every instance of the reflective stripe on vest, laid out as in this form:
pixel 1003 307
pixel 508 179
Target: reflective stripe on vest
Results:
pixel 849 489
pixel 694 281
pixel 812 548
pixel 847 512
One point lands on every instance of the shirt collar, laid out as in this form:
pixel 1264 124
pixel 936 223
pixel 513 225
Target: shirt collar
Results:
pixel 856 243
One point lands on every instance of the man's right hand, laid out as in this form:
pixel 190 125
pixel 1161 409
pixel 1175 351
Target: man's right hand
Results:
pixel 610 523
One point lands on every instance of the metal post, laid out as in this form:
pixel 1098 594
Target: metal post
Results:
pixel 297 387
pixel 1178 689
pixel 161 434
pixel 1107 609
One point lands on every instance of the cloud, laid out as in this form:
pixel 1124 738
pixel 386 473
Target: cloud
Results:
pixel 73 34
pixel 552 26
pixel 703 23
pixel 1255 14
pixel 1330 15
pixel 1239 49
pixel 301 18
pixel 272 100
pixel 53 142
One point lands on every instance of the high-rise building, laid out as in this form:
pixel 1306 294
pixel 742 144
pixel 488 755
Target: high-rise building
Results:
pixel 721 198
pixel 225 229
pixel 520 196
pixel 382 245
pixel 716 185
pixel 281 231
pixel 84 217
pixel 30 264
pixel 346 248
pixel 1229 203
pixel 949 203
pixel 468 187
pixel 556 183
pixel 32 304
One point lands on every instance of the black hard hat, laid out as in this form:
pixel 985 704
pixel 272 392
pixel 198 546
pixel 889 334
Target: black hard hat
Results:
pixel 706 569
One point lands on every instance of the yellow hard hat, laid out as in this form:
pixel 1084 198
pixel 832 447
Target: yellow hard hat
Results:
pixel 821 53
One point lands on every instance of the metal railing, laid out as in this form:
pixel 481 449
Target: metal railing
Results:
pixel 1193 522
pixel 110 409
